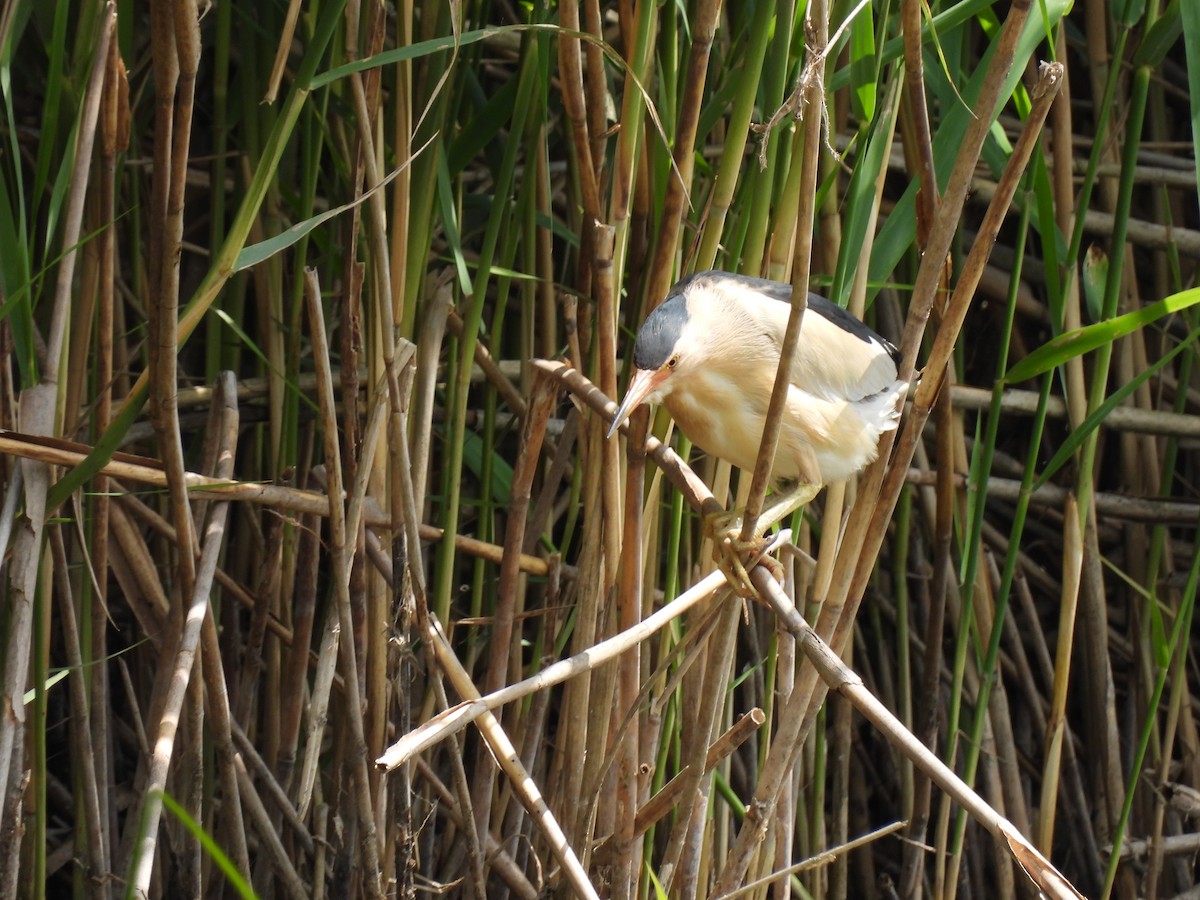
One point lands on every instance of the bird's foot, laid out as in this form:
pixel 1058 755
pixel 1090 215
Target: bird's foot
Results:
pixel 735 556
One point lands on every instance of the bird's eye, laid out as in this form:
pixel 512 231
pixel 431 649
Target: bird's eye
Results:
pixel 672 362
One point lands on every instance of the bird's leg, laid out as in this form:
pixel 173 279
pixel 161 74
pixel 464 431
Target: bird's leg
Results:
pixel 734 555
pixel 786 502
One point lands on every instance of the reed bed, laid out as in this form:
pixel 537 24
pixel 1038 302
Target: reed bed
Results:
pixel 321 578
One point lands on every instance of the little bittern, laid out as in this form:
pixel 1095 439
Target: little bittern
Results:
pixel 710 353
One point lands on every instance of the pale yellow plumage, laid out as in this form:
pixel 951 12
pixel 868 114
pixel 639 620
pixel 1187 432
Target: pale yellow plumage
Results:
pixel 710 355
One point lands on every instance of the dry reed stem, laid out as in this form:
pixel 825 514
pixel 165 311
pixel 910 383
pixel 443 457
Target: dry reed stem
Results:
pixel 544 395
pixel 490 368
pixel 270 843
pixel 175 34
pixel 850 575
pixel 944 342
pixel 823 858
pixel 868 523
pixel 918 109
pixel 505 753
pixel 575 105
pixel 372 435
pixel 429 346
pixel 946 338
pixel 708 682
pixel 413 617
pixel 251 760
pixel 135 570
pixel 812 103
pixel 625 871
pixel 222 434
pixel 115 118
pixel 586 710
pixel 669 794
pixel 295 500
pixel 502 863
pixel 460 716
pixel 96 868
pixel 281 52
pixel 76 199
pixel 837 676
pixel 130 541
pixel 179 674
pixel 317 716
pixel 1056 733
pixel 382 354
pixel 703 28
pixel 629 678
pixel 340 552
pixel 462 791
pixel 609 247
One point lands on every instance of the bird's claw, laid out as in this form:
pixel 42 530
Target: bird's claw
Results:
pixel 736 556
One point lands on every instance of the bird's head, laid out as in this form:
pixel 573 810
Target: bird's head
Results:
pixel 665 347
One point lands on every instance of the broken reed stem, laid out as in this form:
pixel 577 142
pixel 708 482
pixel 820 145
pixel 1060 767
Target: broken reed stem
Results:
pixel 522 783
pixel 839 677
pixel 723 747
pixel 460 716
pixel 293 500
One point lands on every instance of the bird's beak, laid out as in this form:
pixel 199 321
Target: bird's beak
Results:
pixel 645 382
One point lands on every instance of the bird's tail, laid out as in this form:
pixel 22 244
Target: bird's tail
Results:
pixel 882 410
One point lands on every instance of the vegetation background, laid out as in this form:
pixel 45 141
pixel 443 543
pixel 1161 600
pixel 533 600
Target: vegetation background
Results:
pixel 281 482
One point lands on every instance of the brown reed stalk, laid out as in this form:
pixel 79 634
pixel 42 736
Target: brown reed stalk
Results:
pixel 175 686
pixel 340 553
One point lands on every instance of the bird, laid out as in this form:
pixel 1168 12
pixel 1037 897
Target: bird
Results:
pixel 710 354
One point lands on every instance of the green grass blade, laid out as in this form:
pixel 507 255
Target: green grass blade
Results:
pixel 1075 440
pixel 1091 337
pixel 218 856
pixel 262 251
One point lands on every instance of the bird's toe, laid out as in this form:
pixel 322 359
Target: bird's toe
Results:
pixel 736 556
